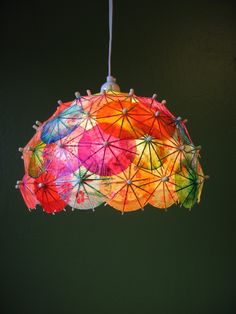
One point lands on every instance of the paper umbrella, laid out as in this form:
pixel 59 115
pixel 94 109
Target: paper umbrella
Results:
pixel 111 148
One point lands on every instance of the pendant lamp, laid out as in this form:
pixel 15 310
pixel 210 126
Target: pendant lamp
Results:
pixel 112 148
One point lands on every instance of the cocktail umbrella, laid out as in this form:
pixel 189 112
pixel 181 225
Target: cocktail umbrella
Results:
pixel 47 193
pixel 181 130
pixel 83 189
pixel 26 187
pixel 164 120
pixel 62 123
pixel 104 154
pixel 164 188
pixel 177 152
pixel 62 156
pixel 189 182
pixel 150 153
pixel 130 189
pixel 36 161
pixel 27 149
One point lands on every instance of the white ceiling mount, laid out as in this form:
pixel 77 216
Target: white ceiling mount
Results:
pixel 110 85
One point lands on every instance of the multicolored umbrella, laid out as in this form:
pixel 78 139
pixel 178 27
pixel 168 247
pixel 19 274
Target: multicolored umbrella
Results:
pixel 83 189
pixel 62 123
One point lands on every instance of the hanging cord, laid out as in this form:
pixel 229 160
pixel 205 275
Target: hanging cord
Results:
pixel 110 84
pixel 110 35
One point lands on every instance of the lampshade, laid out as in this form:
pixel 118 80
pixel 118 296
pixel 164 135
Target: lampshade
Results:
pixel 111 148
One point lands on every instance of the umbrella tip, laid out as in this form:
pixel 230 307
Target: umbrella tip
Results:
pixel 59 102
pixel 165 179
pixel 35 127
pixel 89 93
pixel 77 95
pixel 131 92
pixel 38 123
pixel 157 113
pixel 163 102
pixel 20 149
pixel 18 183
pixel 154 96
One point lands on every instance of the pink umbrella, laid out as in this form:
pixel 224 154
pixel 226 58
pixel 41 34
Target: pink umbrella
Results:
pixel 104 154
pixel 62 156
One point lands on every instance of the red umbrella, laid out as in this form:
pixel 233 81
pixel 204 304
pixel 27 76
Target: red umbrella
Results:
pixel 27 189
pixel 47 193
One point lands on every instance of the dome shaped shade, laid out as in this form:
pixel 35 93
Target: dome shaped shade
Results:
pixel 115 148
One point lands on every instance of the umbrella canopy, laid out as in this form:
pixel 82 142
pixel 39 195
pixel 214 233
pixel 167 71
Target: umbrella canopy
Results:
pixel 27 150
pixel 47 193
pixel 62 156
pixel 189 182
pixel 104 154
pixel 83 189
pixel 130 189
pixel 36 161
pixel 164 188
pixel 27 190
pixel 62 123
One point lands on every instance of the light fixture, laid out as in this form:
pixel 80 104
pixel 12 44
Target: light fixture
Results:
pixel 114 148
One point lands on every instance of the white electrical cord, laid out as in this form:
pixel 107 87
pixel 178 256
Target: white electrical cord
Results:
pixel 111 81
pixel 110 35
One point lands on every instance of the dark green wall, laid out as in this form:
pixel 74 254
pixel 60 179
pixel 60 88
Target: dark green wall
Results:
pixel 145 262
